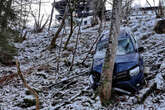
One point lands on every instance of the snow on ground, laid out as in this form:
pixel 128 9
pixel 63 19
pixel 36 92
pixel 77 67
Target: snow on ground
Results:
pixel 58 88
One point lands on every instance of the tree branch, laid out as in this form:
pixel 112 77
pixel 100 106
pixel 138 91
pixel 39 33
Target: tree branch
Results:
pixel 26 85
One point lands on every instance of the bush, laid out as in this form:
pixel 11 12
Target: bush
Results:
pixel 7 49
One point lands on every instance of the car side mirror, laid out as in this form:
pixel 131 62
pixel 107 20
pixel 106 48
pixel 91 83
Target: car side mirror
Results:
pixel 141 49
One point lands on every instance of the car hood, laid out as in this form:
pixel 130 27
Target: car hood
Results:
pixel 126 62
pixel 122 62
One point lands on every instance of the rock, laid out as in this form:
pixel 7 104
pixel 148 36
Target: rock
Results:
pixel 162 66
pixel 141 49
pixel 146 70
pixel 66 54
pixel 160 27
pixel 6 59
pixel 43 67
pixel 70 48
pixel 27 103
pixel 144 37
pixel 67 63
pixel 155 67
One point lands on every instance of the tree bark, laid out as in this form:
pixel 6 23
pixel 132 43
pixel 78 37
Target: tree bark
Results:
pixel 106 78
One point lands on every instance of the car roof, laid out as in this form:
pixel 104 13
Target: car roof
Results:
pixel 124 34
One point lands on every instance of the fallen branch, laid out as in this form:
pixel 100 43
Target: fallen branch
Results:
pixel 69 84
pixel 26 85
pixel 69 100
pixel 141 98
pixel 68 79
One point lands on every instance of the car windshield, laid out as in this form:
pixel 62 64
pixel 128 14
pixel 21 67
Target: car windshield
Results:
pixel 124 46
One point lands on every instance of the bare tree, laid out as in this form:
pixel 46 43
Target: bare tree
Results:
pixel 160 12
pixel 75 50
pixel 71 9
pixel 53 42
pixel 52 12
pixel 106 78
pixel 160 9
pixel 126 9
pixel 39 19
pixel 97 6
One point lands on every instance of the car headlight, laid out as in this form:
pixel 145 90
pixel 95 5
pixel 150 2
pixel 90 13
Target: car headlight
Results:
pixel 134 71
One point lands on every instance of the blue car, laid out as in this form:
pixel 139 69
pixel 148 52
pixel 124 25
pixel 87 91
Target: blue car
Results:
pixel 128 68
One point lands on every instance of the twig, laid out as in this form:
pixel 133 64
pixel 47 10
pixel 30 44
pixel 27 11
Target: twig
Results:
pixel 59 54
pixel 26 85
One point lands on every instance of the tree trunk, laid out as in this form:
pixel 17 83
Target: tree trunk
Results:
pixel 53 42
pixel 26 85
pixel 39 14
pixel 106 79
pixel 161 13
pixel 75 49
pixel 98 6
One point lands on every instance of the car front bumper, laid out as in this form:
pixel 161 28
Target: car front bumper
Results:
pixel 132 85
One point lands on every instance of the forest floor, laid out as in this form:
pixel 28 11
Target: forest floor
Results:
pixel 48 72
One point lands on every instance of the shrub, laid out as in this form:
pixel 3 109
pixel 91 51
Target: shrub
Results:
pixel 7 49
